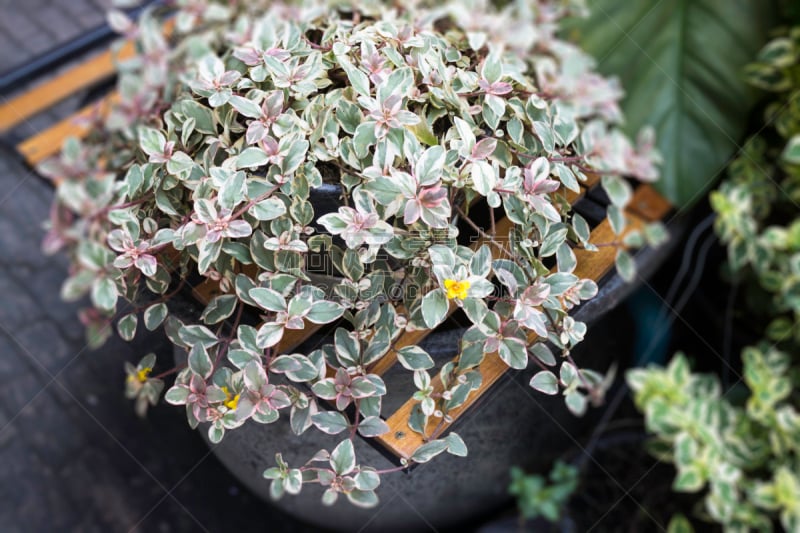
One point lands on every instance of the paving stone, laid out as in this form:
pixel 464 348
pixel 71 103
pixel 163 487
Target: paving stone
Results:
pixel 43 342
pixel 53 18
pixel 47 280
pixel 13 362
pixel 51 435
pixel 7 432
pixel 16 306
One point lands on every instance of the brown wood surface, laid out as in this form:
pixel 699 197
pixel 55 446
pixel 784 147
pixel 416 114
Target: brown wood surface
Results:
pixel 402 441
pixel 82 76
pixel 649 204
pixel 48 143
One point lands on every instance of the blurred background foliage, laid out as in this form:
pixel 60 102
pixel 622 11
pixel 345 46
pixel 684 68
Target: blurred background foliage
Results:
pixel 681 65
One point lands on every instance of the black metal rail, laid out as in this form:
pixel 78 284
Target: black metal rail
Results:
pixel 52 59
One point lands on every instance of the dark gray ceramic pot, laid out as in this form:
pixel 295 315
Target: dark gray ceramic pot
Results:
pixel 510 425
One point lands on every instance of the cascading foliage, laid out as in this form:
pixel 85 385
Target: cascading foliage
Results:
pixel 228 121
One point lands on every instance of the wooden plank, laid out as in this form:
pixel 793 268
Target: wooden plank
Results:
pixel 66 84
pixel 649 204
pixel 402 442
pixel 48 143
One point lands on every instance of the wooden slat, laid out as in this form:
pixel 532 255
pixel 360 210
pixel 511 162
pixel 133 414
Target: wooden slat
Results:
pixel 649 204
pixel 62 86
pixel 402 442
pixel 48 143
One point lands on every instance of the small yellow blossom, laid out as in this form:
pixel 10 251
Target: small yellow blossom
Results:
pixel 231 402
pixel 456 289
pixel 141 375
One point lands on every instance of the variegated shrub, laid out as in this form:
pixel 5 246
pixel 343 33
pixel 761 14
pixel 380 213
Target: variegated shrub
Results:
pixel 208 165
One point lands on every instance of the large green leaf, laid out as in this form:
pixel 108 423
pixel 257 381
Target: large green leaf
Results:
pixel 680 63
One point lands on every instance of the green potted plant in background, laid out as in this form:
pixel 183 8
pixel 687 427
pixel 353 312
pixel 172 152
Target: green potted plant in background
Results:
pixel 738 448
pixel 262 137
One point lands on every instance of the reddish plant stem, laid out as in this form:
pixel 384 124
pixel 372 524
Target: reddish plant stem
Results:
pixel 392 470
pixel 567 159
pixel 110 208
pixel 355 420
pixel 316 46
pixel 174 370
pixel 482 233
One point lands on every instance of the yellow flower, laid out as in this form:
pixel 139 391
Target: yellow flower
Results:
pixel 230 401
pixel 456 289
pixel 141 375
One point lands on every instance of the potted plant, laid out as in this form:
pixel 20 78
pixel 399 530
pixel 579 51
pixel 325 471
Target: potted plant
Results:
pixel 262 139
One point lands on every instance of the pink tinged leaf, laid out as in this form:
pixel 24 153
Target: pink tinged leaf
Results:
pixel 273 105
pixel 535 322
pixel 123 261
pixel 499 88
pixel 412 212
pixel 342 401
pixel 342 378
pixel 246 407
pixel 279 399
pixel 270 146
pixel 229 78
pixel 238 228
pixel 536 294
pixel 52 242
pixel 249 56
pixel 256 132
pixel 392 104
pixel 432 197
pixel 147 264
pixel 119 240
pixel 200 412
pixel 213 235
pixel 278 53
pixel 484 148
pixel 197 385
pixel 159 158
pixel 492 345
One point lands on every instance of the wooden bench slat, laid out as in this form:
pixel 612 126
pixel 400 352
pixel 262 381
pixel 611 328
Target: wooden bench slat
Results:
pixel 82 76
pixel 649 204
pixel 49 142
pixel 402 441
